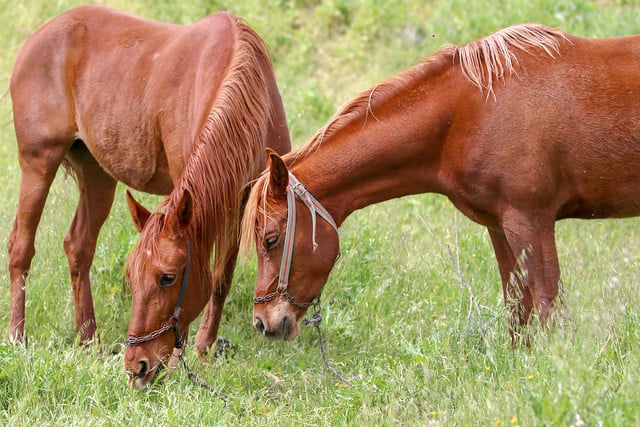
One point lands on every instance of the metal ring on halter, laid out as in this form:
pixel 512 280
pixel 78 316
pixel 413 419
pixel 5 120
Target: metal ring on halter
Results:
pixel 295 188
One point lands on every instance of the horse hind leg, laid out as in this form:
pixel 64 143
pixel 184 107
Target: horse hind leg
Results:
pixel 39 158
pixel 97 190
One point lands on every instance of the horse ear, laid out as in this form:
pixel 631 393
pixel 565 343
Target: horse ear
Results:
pixel 183 212
pixel 279 174
pixel 138 212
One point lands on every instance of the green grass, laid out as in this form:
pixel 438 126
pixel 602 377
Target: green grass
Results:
pixel 397 320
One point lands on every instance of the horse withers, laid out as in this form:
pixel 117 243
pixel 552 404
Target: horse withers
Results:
pixel 184 111
pixel 519 129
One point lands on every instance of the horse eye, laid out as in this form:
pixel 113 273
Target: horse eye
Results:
pixel 271 241
pixel 167 280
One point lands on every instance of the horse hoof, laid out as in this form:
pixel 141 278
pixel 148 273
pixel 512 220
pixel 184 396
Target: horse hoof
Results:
pixel 224 348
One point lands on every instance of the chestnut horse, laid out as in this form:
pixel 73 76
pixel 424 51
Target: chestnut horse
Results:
pixel 183 111
pixel 519 129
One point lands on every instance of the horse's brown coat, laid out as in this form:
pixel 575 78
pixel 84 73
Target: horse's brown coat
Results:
pixel 519 129
pixel 165 109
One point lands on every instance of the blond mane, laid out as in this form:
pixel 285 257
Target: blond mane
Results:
pixel 226 153
pixel 490 59
pixel 482 62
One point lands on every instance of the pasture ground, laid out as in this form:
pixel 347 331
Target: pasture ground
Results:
pixel 400 322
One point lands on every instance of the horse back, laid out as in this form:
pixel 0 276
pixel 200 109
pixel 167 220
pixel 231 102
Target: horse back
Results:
pixel 561 135
pixel 135 91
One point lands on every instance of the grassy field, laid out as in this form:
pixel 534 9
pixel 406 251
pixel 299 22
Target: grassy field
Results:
pixel 420 347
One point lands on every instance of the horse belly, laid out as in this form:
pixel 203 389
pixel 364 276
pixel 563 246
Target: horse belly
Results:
pixel 135 160
pixel 602 197
pixel 598 172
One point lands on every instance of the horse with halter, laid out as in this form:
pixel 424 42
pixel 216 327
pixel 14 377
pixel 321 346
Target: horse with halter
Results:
pixel 178 110
pixel 519 129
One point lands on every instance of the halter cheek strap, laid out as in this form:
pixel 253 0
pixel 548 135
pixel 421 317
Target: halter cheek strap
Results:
pixel 296 189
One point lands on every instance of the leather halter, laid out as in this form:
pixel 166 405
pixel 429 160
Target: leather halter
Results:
pixel 295 188
pixel 173 321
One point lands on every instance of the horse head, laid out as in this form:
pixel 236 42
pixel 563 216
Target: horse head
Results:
pixel 297 245
pixel 170 284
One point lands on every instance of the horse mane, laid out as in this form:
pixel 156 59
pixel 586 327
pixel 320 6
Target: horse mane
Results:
pixel 482 63
pixel 491 58
pixel 226 153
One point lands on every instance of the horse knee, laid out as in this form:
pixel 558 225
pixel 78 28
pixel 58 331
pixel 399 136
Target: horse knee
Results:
pixel 78 256
pixel 69 247
pixel 522 312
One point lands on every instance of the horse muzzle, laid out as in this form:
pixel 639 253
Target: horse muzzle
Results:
pixel 142 374
pixel 284 326
pixel 140 369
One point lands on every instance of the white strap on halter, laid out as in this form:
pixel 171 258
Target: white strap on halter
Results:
pixel 313 205
pixel 295 188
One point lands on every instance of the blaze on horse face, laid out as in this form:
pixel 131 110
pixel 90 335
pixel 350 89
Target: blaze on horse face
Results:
pixel 278 317
pixel 154 271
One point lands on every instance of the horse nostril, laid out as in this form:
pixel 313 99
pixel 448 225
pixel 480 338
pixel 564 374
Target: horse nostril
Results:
pixel 285 325
pixel 259 324
pixel 143 369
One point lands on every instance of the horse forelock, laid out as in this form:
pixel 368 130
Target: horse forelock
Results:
pixel 226 153
pixel 256 206
pixel 147 243
pixel 492 58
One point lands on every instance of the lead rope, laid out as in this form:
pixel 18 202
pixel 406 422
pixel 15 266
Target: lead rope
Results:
pixel 316 320
pixel 314 207
pixel 195 378
pixel 295 188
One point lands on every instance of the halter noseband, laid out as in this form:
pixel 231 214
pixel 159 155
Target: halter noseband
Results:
pixel 173 322
pixel 295 188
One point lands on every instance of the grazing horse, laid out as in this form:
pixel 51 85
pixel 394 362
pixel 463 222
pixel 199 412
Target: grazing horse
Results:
pixel 183 111
pixel 518 129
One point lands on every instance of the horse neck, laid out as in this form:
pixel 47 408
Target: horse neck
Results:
pixel 394 155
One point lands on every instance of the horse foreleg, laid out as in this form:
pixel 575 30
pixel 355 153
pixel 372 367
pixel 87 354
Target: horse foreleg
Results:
pixel 517 296
pixel 208 330
pixel 546 268
pixel 96 197
pixel 537 269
